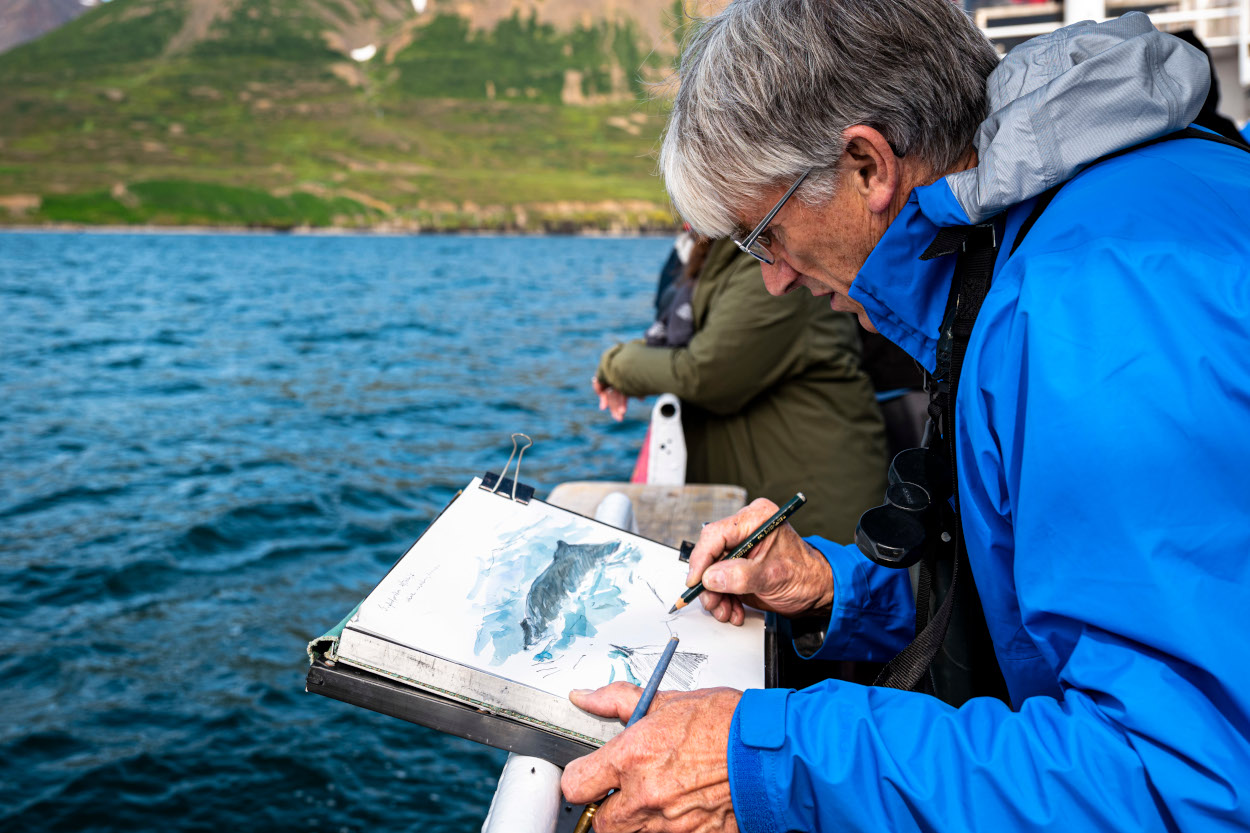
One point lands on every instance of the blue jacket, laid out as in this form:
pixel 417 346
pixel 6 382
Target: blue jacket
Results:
pixel 1103 440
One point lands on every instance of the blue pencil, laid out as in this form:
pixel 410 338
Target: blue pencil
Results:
pixel 640 711
pixel 653 684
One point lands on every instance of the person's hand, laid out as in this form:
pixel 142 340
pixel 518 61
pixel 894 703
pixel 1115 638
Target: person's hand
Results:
pixel 783 573
pixel 670 767
pixel 610 399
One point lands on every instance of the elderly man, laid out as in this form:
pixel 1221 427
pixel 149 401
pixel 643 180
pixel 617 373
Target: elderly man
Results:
pixel 1100 432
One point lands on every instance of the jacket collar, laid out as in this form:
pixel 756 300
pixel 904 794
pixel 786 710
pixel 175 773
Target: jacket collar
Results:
pixel 904 296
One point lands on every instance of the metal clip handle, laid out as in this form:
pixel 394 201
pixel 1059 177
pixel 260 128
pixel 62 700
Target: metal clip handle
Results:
pixel 497 484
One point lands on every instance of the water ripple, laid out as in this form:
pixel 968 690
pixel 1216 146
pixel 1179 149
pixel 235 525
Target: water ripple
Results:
pixel 212 447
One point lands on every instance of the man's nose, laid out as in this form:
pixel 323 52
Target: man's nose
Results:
pixel 779 277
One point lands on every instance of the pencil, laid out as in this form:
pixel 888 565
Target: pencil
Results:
pixel 644 703
pixel 783 514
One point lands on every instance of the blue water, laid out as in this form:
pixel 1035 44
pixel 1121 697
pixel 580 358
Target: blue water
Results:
pixel 211 447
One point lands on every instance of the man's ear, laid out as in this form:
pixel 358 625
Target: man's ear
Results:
pixel 872 168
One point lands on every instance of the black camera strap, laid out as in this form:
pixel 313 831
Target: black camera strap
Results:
pixel 977 248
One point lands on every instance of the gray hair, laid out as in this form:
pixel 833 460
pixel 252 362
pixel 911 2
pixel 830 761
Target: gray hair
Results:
pixel 768 86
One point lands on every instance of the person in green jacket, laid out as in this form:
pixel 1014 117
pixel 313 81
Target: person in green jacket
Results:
pixel 774 398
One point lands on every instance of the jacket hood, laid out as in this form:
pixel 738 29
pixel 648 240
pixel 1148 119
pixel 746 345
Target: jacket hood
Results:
pixel 1057 103
pixel 1060 101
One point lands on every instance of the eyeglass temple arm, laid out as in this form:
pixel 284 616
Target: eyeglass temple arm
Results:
pixel 768 218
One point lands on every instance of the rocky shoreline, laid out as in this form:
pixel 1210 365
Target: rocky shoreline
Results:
pixel 338 231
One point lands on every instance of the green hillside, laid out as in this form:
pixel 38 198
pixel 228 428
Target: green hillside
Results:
pixel 249 112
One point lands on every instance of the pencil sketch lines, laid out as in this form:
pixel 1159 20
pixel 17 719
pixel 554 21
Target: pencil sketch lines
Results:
pixel 683 670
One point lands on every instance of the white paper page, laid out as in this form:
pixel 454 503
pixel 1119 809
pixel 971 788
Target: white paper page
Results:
pixel 552 600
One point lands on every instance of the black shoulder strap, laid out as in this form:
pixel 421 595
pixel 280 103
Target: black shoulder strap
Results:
pixel 978 248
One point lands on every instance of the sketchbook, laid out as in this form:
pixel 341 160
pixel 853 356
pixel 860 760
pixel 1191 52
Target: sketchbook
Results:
pixel 507 606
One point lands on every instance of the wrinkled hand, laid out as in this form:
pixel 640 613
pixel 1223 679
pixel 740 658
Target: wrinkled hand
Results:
pixel 783 573
pixel 610 400
pixel 670 768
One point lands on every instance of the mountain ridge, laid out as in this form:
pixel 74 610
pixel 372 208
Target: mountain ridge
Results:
pixel 24 20
pixel 523 115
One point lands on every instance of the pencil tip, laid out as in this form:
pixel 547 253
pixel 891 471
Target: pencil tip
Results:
pixel 680 604
pixel 673 609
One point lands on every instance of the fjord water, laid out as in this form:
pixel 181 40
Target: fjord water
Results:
pixel 211 447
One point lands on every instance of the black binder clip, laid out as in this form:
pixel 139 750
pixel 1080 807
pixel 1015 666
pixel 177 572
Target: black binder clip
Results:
pixel 499 484
pixel 906 527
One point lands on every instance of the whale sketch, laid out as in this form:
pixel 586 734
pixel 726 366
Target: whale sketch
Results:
pixel 551 592
pixel 544 587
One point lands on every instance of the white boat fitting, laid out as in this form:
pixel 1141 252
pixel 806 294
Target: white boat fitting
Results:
pixel 527 799
pixel 666 443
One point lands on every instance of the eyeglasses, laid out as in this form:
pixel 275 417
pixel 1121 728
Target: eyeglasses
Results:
pixel 752 244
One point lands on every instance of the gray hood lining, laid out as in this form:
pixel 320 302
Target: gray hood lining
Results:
pixel 1060 101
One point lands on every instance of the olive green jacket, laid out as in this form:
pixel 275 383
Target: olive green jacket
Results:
pixel 773 396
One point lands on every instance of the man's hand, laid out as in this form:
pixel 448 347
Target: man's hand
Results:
pixel 610 400
pixel 670 768
pixel 781 574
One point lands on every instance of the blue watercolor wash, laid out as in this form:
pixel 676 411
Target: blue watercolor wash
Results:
pixel 575 625
pixel 501 632
pixel 619 653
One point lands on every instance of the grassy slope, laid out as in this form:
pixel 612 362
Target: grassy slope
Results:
pixel 251 127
